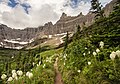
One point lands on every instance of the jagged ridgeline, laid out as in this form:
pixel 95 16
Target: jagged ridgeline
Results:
pixel 14 38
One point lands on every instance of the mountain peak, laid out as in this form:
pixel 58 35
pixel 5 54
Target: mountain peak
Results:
pixel 63 16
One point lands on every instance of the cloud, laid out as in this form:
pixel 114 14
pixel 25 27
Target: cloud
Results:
pixel 33 13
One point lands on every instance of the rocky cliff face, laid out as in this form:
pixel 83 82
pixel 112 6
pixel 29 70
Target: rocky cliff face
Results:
pixel 64 24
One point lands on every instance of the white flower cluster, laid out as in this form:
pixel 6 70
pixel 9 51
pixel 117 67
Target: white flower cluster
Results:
pixel 101 44
pixel 78 71
pixel 15 75
pixel 89 63
pixel 44 65
pixel 19 72
pixel 3 76
pixel 114 54
pixel 10 79
pixel 39 63
pixel 33 63
pixel 65 56
pixel 97 50
pixel 94 53
pixel 13 71
pixel 84 54
pixel 29 74
pixel 49 59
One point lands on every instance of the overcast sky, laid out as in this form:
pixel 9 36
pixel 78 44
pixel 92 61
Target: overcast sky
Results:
pixel 20 14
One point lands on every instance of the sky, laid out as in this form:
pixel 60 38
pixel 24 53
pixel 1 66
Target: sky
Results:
pixel 20 14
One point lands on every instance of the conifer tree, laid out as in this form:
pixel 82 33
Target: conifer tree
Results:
pixel 77 34
pixel 66 41
pixel 96 8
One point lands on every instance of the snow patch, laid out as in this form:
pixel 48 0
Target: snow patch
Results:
pixel 31 40
pixel 19 47
pixel 60 34
pixel 50 36
pixel 1 43
pixel 13 41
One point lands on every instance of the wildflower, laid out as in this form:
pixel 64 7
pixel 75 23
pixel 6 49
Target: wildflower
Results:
pixel 16 78
pixel 113 55
pixel 10 79
pixel 19 72
pixel 97 50
pixel 118 53
pixel 3 76
pixel 65 55
pixel 33 64
pixel 94 53
pixel 101 44
pixel 85 48
pixel 44 66
pixel 89 52
pixel 84 54
pixel 13 71
pixel 12 57
pixel 39 62
pixel 64 63
pixel 89 63
pixel 14 75
pixel 78 71
pixel 29 74
pixel 47 60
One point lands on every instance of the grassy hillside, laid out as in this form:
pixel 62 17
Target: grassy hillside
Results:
pixel 94 57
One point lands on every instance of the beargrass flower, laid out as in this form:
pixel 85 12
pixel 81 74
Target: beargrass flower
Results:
pixel 3 76
pixel 78 71
pixel 89 52
pixel 39 62
pixel 97 50
pixel 118 53
pixel 64 63
pixel 12 57
pixel 16 78
pixel 94 53
pixel 44 66
pixel 101 44
pixel 14 75
pixel 10 79
pixel 29 74
pixel 89 63
pixel 19 72
pixel 33 64
pixel 13 71
pixel 84 54
pixel 113 55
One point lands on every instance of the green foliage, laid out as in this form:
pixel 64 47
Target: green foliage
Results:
pixel 77 33
pixel 102 69
pixel 66 41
